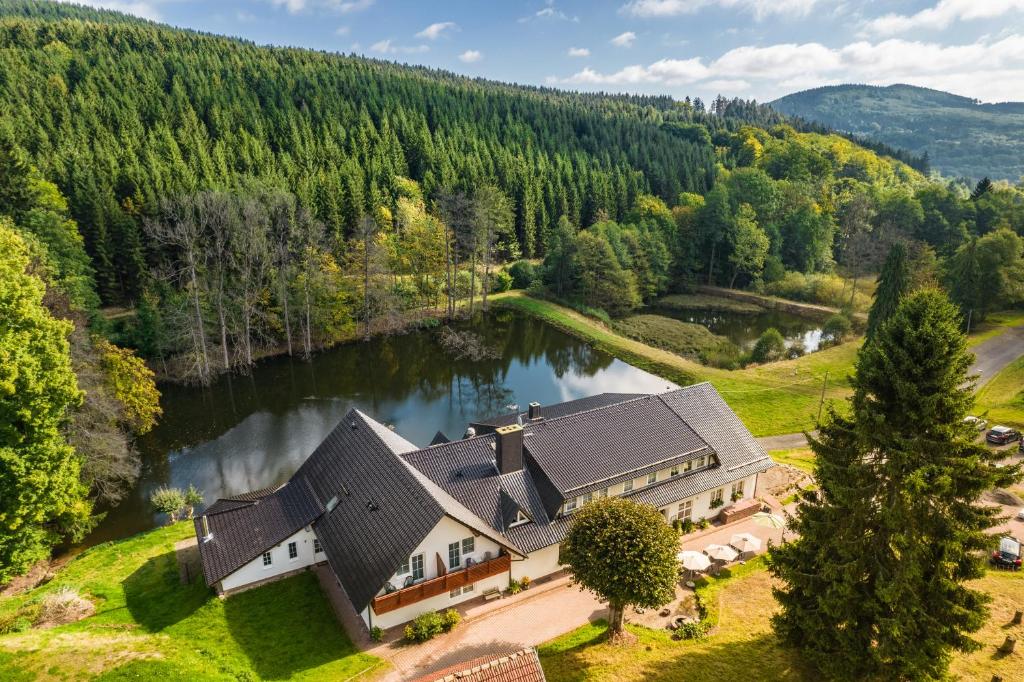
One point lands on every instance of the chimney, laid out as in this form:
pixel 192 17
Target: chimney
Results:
pixel 207 535
pixel 534 411
pixel 509 448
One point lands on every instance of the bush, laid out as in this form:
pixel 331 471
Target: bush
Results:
pixel 376 634
pixel 64 606
pixel 687 526
pixel 836 329
pixel 770 346
pixel 693 630
pixel 168 501
pixel 514 587
pixel 683 338
pixel 523 274
pixel 822 289
pixel 525 582
pixel 796 350
pixel 462 284
pixel 500 281
pixel 429 625
pixel 703 523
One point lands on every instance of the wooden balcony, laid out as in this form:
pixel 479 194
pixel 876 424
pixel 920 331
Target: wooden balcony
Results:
pixel 441 584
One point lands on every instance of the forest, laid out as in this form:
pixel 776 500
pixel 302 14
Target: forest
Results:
pixel 181 205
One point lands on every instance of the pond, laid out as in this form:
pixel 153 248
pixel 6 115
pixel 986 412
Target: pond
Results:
pixel 249 432
pixel 744 328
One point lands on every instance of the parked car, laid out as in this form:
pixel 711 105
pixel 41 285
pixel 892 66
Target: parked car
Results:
pixel 1020 515
pixel 1020 448
pixel 1008 555
pixel 977 422
pixel 1001 435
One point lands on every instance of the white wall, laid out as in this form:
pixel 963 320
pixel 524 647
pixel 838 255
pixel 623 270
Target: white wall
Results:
pixel 702 502
pixel 436 543
pixel 539 564
pixel 255 571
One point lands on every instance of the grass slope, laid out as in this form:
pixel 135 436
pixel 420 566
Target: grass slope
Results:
pixel 743 645
pixel 1002 398
pixel 777 398
pixel 149 626
pixel 690 340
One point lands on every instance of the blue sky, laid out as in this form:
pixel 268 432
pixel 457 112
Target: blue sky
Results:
pixel 748 48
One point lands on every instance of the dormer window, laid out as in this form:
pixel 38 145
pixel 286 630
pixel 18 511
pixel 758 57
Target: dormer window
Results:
pixel 652 478
pixel 521 519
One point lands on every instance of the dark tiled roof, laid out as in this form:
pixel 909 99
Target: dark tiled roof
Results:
pixel 521 666
pixel 241 534
pixel 240 500
pixel 593 449
pixel 554 411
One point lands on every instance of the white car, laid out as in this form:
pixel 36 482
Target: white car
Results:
pixel 976 422
pixel 1020 515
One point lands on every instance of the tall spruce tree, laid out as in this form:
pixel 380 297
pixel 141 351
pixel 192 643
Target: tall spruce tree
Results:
pixel 875 586
pixel 893 284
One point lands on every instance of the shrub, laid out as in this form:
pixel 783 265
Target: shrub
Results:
pixel 525 582
pixel 823 289
pixel 836 328
pixel 425 626
pixel 523 274
pixel 449 619
pixel 500 281
pixel 770 346
pixel 63 606
pixel 596 313
pixel 193 498
pixel 462 284
pixel 21 619
pixel 514 587
pixel 376 634
pixel 168 501
pixel 703 523
pixel 693 630
pixel 796 350
pixel 687 526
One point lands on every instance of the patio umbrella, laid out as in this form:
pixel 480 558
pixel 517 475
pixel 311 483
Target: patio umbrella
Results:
pixel 769 520
pixel 693 561
pixel 721 552
pixel 745 542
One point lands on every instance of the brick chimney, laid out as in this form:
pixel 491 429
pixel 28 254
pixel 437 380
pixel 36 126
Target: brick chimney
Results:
pixel 509 448
pixel 534 411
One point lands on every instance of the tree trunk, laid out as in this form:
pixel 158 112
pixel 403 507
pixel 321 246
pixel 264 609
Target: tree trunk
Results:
pixel 854 292
pixel 366 288
pixel 732 282
pixel 287 320
pixel 616 614
pixel 223 331
pixel 450 306
pixel 204 366
pixel 487 276
pixel 472 283
pixel 711 264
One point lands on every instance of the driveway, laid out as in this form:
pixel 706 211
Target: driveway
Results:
pixel 990 357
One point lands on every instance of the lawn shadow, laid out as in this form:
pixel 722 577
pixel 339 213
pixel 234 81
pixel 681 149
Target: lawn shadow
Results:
pixel 155 596
pixel 570 658
pixel 287 626
pixel 762 657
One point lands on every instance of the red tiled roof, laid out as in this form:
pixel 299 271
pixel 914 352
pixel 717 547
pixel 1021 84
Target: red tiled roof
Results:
pixel 520 666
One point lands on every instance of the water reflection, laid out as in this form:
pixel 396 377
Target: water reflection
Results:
pixel 249 432
pixel 743 329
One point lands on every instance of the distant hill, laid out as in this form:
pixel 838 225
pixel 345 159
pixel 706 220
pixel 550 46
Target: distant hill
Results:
pixel 961 136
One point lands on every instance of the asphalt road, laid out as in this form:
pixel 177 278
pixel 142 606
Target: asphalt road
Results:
pixel 989 358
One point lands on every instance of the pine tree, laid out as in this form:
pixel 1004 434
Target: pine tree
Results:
pixel 893 284
pixel 875 586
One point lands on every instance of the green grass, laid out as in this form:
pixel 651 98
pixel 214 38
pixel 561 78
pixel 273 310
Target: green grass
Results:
pixel 994 325
pixel 1002 398
pixel 694 341
pixel 149 626
pixel 801 458
pixel 706 302
pixel 743 646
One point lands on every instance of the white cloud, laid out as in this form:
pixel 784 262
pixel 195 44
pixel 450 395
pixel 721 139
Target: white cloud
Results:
pixel 388 47
pixel 549 12
pixel 353 6
pixel 435 31
pixel 759 8
pixel 579 52
pixel 145 10
pixel 342 30
pixel 624 39
pixel 988 69
pixel 942 15
pixel 341 6
pixel 470 56
pixel 293 6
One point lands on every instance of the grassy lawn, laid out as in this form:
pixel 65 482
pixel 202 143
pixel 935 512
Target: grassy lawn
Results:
pixel 994 325
pixel 744 647
pixel 801 458
pixel 683 338
pixel 1003 397
pixel 706 302
pixel 149 626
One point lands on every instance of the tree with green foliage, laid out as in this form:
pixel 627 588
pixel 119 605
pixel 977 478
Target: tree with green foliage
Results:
pixel 749 245
pixel 601 282
pixel 625 553
pixel 877 584
pixel 192 498
pixel 769 347
pixel 987 273
pixel 559 271
pixel 893 285
pixel 42 498
pixel 168 501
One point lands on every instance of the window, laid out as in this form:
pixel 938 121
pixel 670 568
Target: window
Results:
pixel 652 478
pixel 716 497
pixel 684 511
pixel 627 486
pixel 416 563
pixel 404 568
pixel 468 545
pixel 603 492
pixel 674 471
pixel 521 518
pixel 701 461
pixel 454 555
pixel 689 465
pixel 267 559
pixel 465 589
pixel 570 505
pixel 737 490
pixel 317 549
pixel 588 498
pixel 293 551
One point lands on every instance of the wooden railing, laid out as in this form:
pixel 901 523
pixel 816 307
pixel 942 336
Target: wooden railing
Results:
pixel 441 584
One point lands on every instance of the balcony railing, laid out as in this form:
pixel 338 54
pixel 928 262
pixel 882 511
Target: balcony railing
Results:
pixel 441 584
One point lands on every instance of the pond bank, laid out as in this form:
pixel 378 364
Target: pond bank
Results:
pixel 813 310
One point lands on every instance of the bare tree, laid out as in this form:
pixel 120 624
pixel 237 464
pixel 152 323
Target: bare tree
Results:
pixel 281 207
pixel 456 210
pixel 495 220
pixel 249 257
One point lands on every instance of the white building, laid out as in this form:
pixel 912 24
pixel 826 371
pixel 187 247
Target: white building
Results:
pixel 408 530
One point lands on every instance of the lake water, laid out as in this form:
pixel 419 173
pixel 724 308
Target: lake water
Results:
pixel 248 432
pixel 743 329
